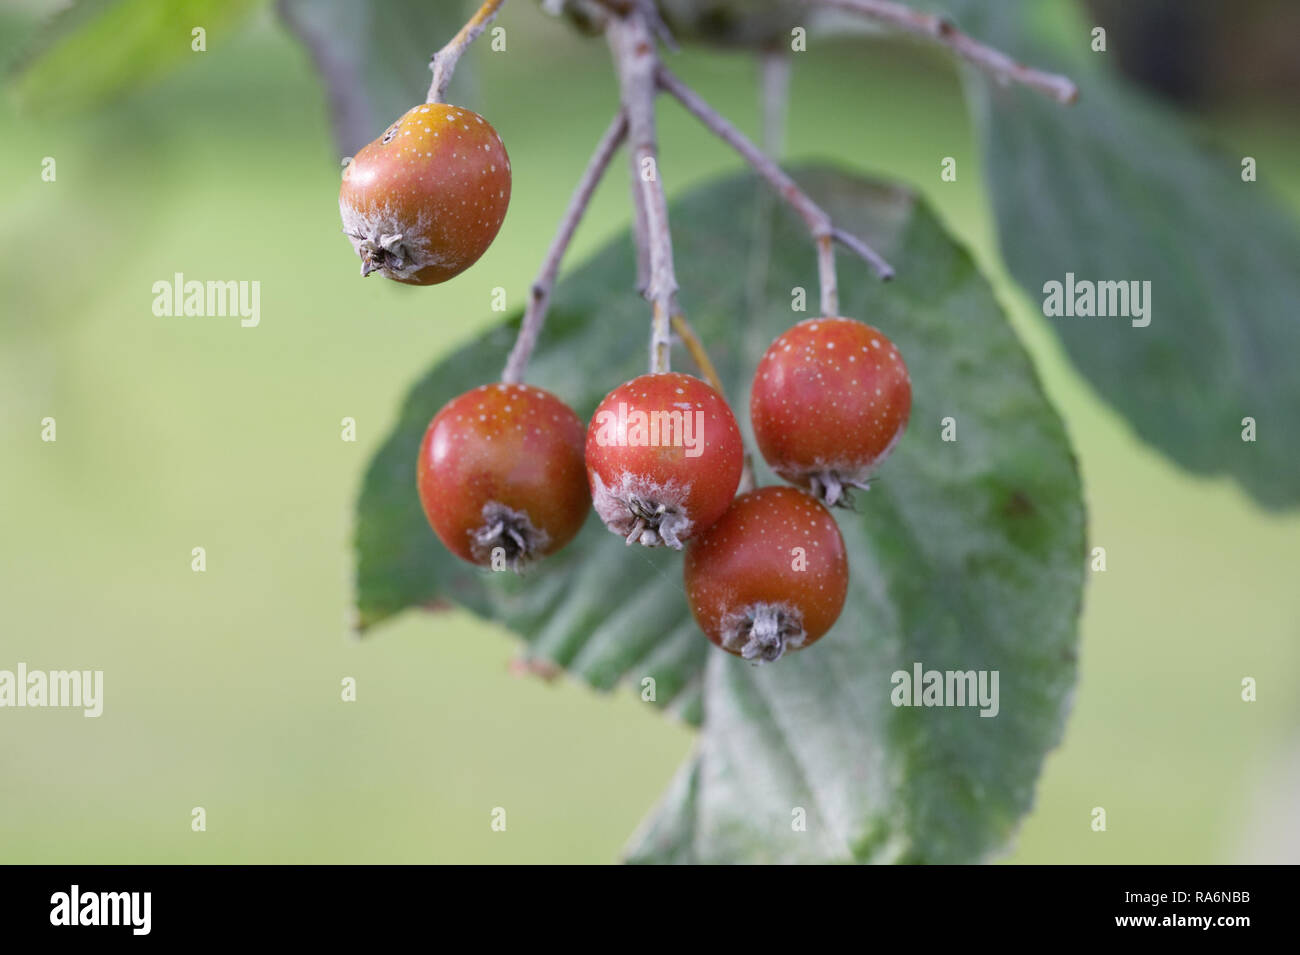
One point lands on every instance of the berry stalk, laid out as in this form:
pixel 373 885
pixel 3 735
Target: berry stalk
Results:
pixel 632 44
pixel 826 277
pixel 695 346
pixel 691 339
pixel 444 61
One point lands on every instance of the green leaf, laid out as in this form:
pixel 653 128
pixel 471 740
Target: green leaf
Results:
pixel 94 50
pixel 374 57
pixel 965 555
pixel 1120 188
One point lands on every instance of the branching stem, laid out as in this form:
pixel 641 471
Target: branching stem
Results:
pixel 444 61
pixel 817 219
pixel 941 30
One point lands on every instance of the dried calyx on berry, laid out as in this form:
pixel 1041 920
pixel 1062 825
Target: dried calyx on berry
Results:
pixel 830 401
pixel 501 475
pixel 651 515
pixel 424 201
pixel 509 532
pixel 762 632
pixel 664 457
pixel 833 485
pixel 769 576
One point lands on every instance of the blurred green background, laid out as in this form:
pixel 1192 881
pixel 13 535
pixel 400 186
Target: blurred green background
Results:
pixel 222 689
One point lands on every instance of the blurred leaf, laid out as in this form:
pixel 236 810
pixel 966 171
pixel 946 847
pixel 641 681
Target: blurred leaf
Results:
pixel 965 555
pixel 1119 188
pixel 374 57
pixel 94 50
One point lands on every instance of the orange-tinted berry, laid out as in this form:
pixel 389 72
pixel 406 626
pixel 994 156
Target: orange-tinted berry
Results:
pixel 424 201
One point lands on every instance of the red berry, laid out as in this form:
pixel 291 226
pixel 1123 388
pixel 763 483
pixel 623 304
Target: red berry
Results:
pixel 831 398
pixel 664 456
pixel 501 467
pixel 771 575
pixel 423 201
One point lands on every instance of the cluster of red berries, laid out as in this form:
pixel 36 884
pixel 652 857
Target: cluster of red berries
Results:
pixel 506 474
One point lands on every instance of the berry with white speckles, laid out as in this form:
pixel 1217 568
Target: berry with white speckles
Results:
pixel 664 457
pixel 830 400
pixel 424 201
pixel 769 576
pixel 501 470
